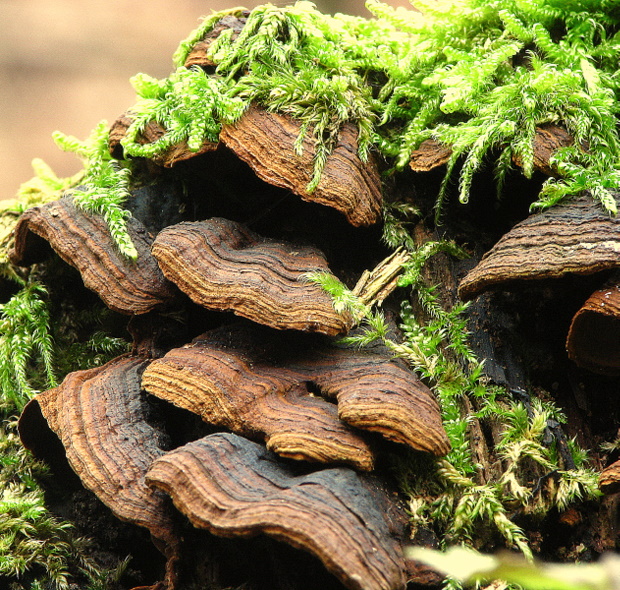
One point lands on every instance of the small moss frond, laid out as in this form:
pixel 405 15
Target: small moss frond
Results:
pixel 24 333
pixel 343 298
pixel 105 185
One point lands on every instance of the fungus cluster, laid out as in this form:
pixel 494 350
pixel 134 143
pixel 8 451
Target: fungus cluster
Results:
pixel 275 386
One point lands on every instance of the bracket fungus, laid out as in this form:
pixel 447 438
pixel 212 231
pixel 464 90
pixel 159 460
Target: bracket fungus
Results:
pixel 234 487
pixel 99 416
pixel 224 266
pixel 83 240
pixel 226 388
pixel 252 386
pixel 593 340
pixel 609 480
pixel 150 134
pixel 575 237
pixel 266 141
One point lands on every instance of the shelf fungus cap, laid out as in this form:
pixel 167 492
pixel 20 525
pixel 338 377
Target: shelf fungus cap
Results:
pixel 99 416
pixel 609 480
pixel 378 394
pixel 224 266
pixel 266 142
pixel 82 240
pixel 150 134
pixel 230 389
pixel 233 487
pixel 575 237
pixel 593 340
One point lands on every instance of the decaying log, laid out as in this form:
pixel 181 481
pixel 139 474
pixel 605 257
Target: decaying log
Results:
pixel 266 141
pixel 373 392
pixel 233 487
pixel 224 266
pixel 198 55
pixel 593 340
pixel 82 240
pixel 609 480
pixel 152 133
pixel 226 388
pixel 548 138
pixel 99 416
pixel 573 237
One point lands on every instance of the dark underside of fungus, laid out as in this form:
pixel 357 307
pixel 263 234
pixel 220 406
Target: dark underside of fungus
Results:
pixel 240 429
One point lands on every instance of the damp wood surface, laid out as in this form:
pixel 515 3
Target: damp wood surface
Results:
pixel 233 487
pixel 266 141
pixel 82 240
pixel 574 237
pixel 224 266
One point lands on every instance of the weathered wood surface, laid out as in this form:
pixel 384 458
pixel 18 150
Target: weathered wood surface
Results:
pixel 577 237
pixel 233 487
pixel 152 133
pixel 99 416
pixel 224 266
pixel 266 141
pixel 593 340
pixel 226 388
pixel 82 240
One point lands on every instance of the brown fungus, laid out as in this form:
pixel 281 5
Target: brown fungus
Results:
pixel 575 237
pixel 99 416
pixel 609 480
pixel 224 266
pixel 233 487
pixel 266 141
pixel 224 370
pixel 82 240
pixel 431 153
pixel 199 53
pixel 150 134
pixel 593 340
pixel 226 388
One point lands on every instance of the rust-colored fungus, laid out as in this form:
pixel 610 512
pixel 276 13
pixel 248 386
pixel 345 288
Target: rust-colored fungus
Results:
pixel 431 154
pixel 99 416
pixel 233 487
pixel 223 370
pixel 82 240
pixel 609 480
pixel 266 141
pixel 199 53
pixel 152 133
pixel 224 266
pixel 226 388
pixel 573 237
pixel 594 336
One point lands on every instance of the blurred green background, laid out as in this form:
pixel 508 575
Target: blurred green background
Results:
pixel 66 64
